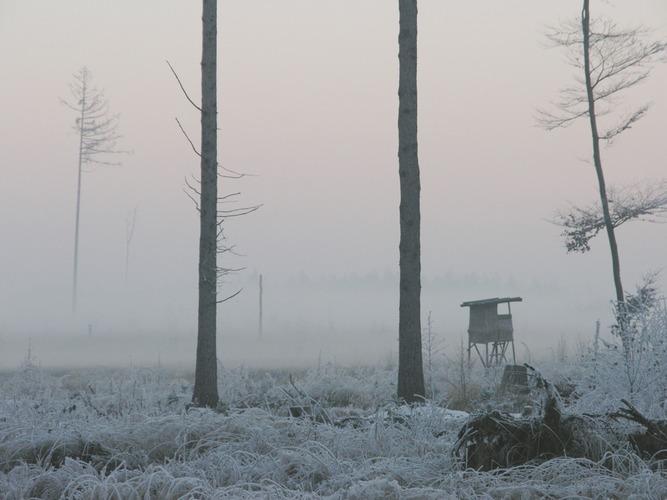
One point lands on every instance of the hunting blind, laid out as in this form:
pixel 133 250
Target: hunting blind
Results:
pixel 491 331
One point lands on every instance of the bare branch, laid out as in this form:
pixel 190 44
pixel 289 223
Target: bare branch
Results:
pixel 626 123
pixel 233 212
pixel 227 197
pixel 192 145
pixel 229 249
pixel 193 200
pixel 183 88
pixel 191 188
pixel 236 212
pixel 197 181
pixel 646 202
pixel 549 120
pixel 229 297
pixel 234 175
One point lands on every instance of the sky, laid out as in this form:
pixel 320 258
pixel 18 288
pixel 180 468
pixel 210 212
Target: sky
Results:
pixel 307 96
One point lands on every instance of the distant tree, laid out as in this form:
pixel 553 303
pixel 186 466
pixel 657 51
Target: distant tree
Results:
pixel 410 366
pixel 98 138
pixel 612 60
pixel 206 372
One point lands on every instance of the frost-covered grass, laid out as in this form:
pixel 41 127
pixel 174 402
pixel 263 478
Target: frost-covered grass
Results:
pixel 128 434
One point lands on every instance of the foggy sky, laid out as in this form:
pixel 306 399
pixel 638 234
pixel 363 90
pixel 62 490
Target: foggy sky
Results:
pixel 308 108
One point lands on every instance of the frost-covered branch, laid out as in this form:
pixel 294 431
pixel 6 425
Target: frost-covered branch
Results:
pixel 645 201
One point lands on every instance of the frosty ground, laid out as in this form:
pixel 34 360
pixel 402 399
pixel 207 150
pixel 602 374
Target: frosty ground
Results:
pixel 128 433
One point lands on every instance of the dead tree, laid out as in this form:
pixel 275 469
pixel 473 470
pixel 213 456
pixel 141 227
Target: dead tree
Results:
pixel 98 141
pixel 206 372
pixel 410 365
pixel 204 194
pixel 611 60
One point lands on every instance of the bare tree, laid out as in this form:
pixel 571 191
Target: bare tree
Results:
pixel 206 372
pixel 410 366
pixel 611 60
pixel 98 139
pixel 204 193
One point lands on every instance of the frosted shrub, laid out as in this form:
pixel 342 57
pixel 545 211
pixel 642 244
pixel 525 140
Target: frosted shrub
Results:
pixel 632 364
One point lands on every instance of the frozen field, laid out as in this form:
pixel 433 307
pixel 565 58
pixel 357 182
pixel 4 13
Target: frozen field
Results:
pixel 126 433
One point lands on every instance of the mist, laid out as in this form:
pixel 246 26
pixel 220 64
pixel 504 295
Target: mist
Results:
pixel 307 321
pixel 308 103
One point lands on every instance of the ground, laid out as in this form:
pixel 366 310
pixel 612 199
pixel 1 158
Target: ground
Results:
pixel 128 433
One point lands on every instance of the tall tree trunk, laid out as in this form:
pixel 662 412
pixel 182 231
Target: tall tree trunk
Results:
pixel 585 26
pixel 75 275
pixel 410 368
pixel 206 372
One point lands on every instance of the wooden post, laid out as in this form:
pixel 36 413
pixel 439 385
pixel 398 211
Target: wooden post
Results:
pixel 261 291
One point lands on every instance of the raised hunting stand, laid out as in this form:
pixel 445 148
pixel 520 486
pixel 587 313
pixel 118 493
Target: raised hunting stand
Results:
pixel 487 327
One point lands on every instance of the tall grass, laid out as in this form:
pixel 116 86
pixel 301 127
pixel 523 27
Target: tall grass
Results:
pixel 128 434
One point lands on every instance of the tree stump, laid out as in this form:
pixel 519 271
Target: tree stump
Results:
pixel 496 441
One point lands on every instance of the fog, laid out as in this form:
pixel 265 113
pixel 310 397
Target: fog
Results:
pixel 307 109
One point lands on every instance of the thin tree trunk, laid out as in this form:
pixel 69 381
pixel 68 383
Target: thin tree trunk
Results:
pixel 129 233
pixel 410 367
pixel 206 373
pixel 78 204
pixel 585 25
